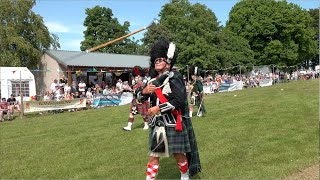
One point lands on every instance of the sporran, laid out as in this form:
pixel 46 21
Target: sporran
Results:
pixel 159 145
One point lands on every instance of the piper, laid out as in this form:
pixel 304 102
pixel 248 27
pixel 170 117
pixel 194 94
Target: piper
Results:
pixel 138 107
pixel 197 93
pixel 171 131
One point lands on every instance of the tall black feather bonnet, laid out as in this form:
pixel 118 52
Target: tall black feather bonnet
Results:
pixel 162 49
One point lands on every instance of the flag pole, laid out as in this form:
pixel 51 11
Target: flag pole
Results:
pixel 21 99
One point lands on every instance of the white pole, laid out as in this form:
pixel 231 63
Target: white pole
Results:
pixel 21 99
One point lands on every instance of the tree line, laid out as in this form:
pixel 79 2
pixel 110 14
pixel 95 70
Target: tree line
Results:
pixel 257 32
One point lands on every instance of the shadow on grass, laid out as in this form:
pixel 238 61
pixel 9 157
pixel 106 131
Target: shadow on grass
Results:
pixel 169 169
pixel 138 125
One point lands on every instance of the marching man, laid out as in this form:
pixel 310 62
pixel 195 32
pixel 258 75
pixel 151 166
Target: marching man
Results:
pixel 171 131
pixel 197 92
pixel 138 107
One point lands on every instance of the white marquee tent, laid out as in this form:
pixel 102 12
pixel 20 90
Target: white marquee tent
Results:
pixel 10 82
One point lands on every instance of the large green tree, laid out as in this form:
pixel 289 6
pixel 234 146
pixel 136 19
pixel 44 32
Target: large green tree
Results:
pixel 233 50
pixel 191 28
pixel 200 41
pixel 23 35
pixel 102 27
pixel 278 32
pixel 314 13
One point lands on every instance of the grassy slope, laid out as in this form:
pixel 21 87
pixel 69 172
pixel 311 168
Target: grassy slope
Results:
pixel 262 133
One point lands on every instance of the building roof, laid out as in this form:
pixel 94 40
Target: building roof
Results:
pixel 95 59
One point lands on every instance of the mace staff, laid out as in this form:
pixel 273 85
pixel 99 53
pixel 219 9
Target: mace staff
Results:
pixel 155 21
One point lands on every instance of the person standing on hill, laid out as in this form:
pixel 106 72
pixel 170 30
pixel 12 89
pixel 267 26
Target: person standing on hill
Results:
pixel 171 131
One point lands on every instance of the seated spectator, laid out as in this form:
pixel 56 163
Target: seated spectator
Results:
pixel 97 89
pixel 119 85
pixel 67 88
pixel 5 109
pixel 76 95
pixel 118 90
pixel 83 94
pixel 68 95
pixel 126 87
pixel 13 103
pixel 89 97
pixel 59 95
pixel 11 100
pixel 103 84
pixel 47 96
pixel 106 90
pixel 113 90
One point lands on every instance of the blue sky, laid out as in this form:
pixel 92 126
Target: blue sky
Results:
pixel 65 17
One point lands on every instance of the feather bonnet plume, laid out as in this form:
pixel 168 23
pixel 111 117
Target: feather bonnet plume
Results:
pixel 163 49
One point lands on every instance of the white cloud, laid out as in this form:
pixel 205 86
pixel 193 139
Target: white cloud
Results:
pixel 56 27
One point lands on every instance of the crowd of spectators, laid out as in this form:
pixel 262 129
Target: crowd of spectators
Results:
pixel 60 90
pixel 256 79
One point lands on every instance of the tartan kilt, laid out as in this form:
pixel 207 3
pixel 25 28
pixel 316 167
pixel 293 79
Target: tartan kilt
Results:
pixel 142 108
pixel 178 141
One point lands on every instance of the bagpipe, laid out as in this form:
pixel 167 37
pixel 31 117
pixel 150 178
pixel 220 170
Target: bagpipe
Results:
pixel 170 119
pixel 158 81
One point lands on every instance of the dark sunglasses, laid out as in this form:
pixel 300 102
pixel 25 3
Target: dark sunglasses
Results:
pixel 159 60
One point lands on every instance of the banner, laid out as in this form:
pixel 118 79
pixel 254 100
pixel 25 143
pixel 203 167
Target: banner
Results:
pixel 265 82
pixel 35 106
pixel 119 99
pixel 210 89
pixel 238 85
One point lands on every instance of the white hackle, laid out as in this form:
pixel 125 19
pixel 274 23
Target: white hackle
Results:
pixel 171 50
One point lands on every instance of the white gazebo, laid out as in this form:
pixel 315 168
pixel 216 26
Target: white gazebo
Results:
pixel 14 78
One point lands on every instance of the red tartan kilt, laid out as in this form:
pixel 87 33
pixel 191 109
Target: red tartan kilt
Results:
pixel 142 108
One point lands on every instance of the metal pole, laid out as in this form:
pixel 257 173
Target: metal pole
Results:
pixel 272 68
pixel 21 99
pixel 273 75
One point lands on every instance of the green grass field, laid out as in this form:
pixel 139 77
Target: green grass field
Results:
pixel 262 133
